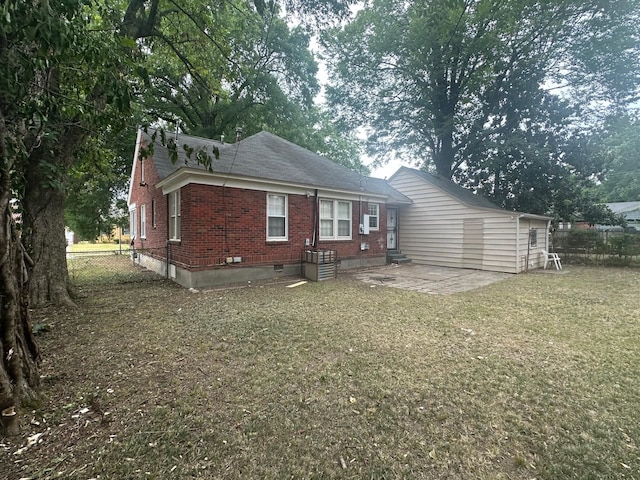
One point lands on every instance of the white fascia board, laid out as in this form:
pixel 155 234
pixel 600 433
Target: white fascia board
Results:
pixel 532 216
pixel 133 167
pixel 185 176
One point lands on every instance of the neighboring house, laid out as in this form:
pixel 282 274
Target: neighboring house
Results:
pixel 118 235
pixel 449 226
pixel 263 204
pixel 629 210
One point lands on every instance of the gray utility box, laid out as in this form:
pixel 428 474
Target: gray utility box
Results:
pixel 320 265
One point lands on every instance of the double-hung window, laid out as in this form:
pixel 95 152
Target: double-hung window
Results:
pixel 276 217
pixel 174 215
pixel 374 215
pixel 132 221
pixel 335 220
pixel 143 221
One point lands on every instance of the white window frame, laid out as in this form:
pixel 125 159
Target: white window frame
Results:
pixel 143 221
pixel 375 216
pixel 174 215
pixel 335 219
pixel 285 216
pixel 133 227
pixel 153 213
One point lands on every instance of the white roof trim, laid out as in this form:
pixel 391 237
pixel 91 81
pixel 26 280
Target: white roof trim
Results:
pixel 185 176
pixel 133 167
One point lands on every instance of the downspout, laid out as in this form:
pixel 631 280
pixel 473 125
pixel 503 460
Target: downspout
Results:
pixel 360 233
pixel 517 244
pixel 316 221
pixel 168 242
pixel 528 246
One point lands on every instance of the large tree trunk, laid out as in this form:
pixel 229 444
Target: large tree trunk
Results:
pixel 19 356
pixel 43 220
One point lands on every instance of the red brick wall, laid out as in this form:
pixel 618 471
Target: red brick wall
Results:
pixel 143 195
pixel 221 222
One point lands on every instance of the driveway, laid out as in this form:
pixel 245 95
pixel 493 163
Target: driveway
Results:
pixel 429 279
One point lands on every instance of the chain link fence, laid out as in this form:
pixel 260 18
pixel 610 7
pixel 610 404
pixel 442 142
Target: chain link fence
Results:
pixel 595 247
pixel 106 267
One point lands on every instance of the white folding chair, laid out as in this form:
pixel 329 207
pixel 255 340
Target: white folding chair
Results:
pixel 551 257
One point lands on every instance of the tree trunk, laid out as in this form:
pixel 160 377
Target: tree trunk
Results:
pixel 19 355
pixel 45 241
pixel 444 157
pixel 43 220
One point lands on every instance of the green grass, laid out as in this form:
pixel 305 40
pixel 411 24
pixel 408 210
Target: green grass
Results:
pixel 534 377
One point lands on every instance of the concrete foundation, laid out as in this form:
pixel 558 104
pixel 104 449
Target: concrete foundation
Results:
pixel 237 273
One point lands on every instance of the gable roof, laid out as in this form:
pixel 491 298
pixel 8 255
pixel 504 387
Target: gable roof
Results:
pixel 266 156
pixel 465 196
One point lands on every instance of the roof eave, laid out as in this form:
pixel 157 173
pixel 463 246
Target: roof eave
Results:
pixel 186 175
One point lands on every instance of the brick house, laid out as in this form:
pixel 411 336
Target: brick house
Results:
pixel 255 213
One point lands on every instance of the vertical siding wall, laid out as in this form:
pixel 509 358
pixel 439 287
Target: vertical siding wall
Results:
pixel 531 256
pixel 432 230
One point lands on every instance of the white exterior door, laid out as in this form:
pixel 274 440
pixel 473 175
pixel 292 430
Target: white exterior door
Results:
pixel 392 228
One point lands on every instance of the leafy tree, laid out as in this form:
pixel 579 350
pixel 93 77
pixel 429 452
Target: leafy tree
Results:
pixel 65 73
pixel 58 81
pixel 256 73
pixel 620 144
pixel 97 181
pixel 467 86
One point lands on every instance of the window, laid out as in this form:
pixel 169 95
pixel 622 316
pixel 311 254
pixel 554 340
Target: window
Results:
pixel 533 237
pixel 153 213
pixel 143 221
pixel 132 221
pixel 335 220
pixel 276 217
pixel 174 215
pixel 374 214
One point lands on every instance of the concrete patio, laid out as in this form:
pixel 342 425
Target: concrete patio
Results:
pixel 429 279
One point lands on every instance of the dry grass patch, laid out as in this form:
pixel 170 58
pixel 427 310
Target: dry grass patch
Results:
pixel 534 377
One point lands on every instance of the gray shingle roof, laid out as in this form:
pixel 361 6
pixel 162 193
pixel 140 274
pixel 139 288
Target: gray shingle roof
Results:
pixel 623 207
pixel 267 156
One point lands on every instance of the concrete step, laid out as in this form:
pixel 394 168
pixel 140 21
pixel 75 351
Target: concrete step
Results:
pixel 395 256
pixel 401 260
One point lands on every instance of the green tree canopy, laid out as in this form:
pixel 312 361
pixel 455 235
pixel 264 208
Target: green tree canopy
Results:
pixel 495 94
pixel 620 144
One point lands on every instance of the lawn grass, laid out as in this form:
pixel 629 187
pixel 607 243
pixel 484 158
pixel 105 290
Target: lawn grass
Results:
pixel 536 377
